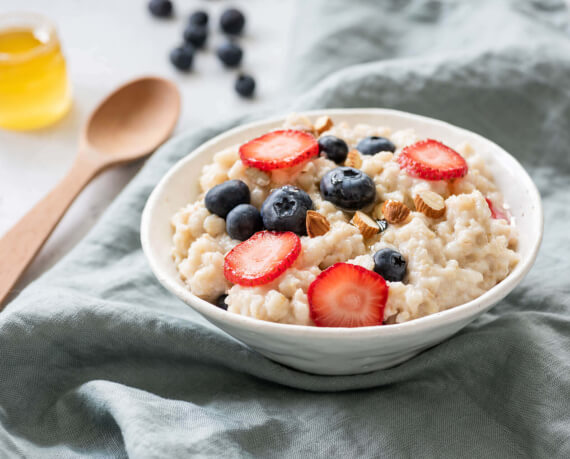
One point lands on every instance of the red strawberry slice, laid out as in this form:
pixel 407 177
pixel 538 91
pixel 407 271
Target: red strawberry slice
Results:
pixel 279 149
pixel 346 295
pixel 432 160
pixel 261 258
pixel 497 212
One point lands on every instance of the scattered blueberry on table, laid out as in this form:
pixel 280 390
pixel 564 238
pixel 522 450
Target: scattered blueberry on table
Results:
pixel 160 8
pixel 245 85
pixel 375 144
pixel 196 35
pixel 224 197
pixel 285 209
pixel 230 54
pixel 198 17
pixel 232 21
pixel 390 264
pixel 348 188
pixel 243 221
pixel 181 57
pixel 333 148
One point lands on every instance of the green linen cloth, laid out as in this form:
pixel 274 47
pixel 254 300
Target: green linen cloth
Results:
pixel 97 360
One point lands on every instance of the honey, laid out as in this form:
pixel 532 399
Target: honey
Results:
pixel 34 88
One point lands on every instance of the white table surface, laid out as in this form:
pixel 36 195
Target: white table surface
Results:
pixel 107 42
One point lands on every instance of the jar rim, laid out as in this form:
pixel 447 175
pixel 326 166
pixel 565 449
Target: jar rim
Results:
pixel 33 21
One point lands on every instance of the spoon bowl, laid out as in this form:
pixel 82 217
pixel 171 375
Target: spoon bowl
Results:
pixel 133 120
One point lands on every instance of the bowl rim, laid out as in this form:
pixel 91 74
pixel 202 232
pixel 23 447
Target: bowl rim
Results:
pixel 449 316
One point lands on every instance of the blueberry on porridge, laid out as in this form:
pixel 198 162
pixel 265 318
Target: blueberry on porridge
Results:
pixel 335 225
pixel 243 221
pixel 222 198
pixel 333 148
pixel 285 209
pixel 390 264
pixel 348 188
pixel 375 144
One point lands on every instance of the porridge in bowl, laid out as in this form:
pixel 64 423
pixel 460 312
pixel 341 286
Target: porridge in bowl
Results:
pixel 336 225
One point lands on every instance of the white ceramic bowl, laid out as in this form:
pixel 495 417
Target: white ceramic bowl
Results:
pixel 340 351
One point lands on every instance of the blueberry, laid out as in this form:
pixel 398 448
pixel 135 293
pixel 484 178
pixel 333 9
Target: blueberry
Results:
pixel 243 221
pixel 245 85
pixel 230 54
pixel 196 35
pixel 181 57
pixel 299 195
pixel 232 21
pixel 221 302
pixel 334 148
pixel 382 224
pixel 160 8
pixel 285 209
pixel 372 145
pixel 199 18
pixel 225 196
pixel 390 264
pixel 348 188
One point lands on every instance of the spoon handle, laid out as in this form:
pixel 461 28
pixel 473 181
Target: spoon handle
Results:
pixel 22 242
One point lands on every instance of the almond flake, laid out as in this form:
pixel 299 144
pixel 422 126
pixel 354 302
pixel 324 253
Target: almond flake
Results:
pixel 377 213
pixel 322 124
pixel 430 204
pixel 365 224
pixel 316 223
pixel 395 211
pixel 353 159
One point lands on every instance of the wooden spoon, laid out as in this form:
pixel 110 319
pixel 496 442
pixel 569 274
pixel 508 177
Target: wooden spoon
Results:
pixel 129 124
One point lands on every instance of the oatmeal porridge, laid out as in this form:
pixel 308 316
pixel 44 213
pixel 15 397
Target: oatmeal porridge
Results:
pixel 323 223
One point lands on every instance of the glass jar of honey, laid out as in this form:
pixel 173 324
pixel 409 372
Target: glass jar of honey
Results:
pixel 34 88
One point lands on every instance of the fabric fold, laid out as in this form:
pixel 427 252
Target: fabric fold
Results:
pixel 98 360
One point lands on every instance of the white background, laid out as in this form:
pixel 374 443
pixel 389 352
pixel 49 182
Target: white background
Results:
pixel 107 42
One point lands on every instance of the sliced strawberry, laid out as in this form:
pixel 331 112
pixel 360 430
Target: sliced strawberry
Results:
pixel 261 258
pixel 346 295
pixel 497 212
pixel 432 160
pixel 279 149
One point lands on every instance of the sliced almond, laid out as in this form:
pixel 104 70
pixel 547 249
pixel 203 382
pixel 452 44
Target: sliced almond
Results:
pixel 299 123
pixel 316 223
pixel 430 204
pixel 322 124
pixel 379 217
pixel 377 212
pixel 353 159
pixel 395 211
pixel 365 224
